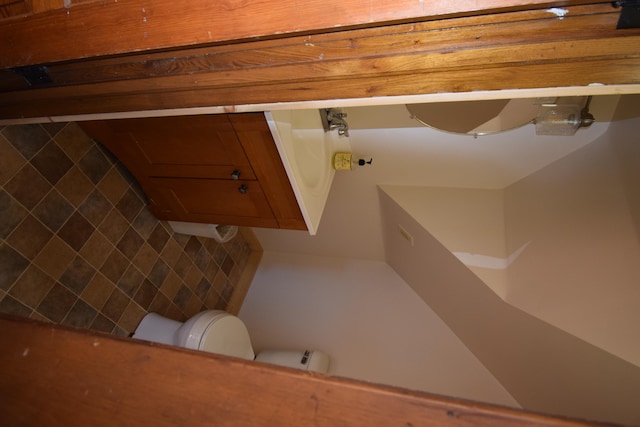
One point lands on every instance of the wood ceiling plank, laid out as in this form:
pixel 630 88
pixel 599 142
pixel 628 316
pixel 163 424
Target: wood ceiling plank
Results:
pixel 114 27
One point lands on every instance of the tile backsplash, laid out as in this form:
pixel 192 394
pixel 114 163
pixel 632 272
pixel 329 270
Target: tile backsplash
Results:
pixel 78 245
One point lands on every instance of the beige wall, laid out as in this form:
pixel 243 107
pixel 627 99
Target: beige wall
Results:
pixel 561 243
pixel 467 221
pixel 368 320
pixel 581 270
pixel 544 368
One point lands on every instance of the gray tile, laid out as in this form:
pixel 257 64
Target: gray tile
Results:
pixel 28 186
pixel 57 303
pixel 28 139
pixel 51 162
pixel 53 210
pixel 77 276
pixel 12 213
pixel 94 164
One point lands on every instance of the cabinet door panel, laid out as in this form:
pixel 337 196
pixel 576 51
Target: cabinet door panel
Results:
pixel 212 200
pixel 184 146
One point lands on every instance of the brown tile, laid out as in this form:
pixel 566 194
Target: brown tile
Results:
pixel 124 173
pixel 53 210
pixel 55 257
pixel 114 226
pixel 10 305
pixel 145 259
pixel 108 154
pixel 158 273
pixel 227 265
pixel 182 297
pixel 102 324
pixel 202 289
pixel 113 186
pixel 119 332
pixel 212 299
pixel 171 285
pixel 57 303
pixel 114 266
pixel 94 164
pixel 181 239
pixel 183 265
pixel 236 273
pixel 211 245
pixel 145 223
pixel 160 304
pixel 203 259
pixel 10 160
pixel 81 315
pixel 228 291
pixel 193 306
pixel 77 275
pixel 28 186
pixel 115 305
pixel 129 205
pixel 130 243
pixel 174 313
pixel 27 139
pixel 12 265
pixel 12 213
pixel 158 238
pixel 171 252
pixel 145 294
pixel 131 317
pixel 219 282
pixel 193 278
pixel 130 281
pixel 75 186
pixel 76 231
pixel 211 271
pixel 32 286
pixel 53 128
pixel 29 237
pixel 192 247
pixel 240 252
pixel 220 254
pixel 37 316
pixel 95 207
pixel 51 162
pixel 97 291
pixel 96 249
pixel 74 141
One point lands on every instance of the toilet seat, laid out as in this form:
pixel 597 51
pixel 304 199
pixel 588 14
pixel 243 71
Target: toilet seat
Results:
pixel 216 331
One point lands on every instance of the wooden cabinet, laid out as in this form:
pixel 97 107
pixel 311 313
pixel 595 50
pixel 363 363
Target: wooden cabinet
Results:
pixel 222 169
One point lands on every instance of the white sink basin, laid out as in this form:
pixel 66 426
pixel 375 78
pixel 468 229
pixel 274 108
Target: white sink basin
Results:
pixel 306 152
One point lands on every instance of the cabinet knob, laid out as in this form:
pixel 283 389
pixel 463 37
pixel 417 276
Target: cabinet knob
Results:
pixel 243 189
pixel 235 175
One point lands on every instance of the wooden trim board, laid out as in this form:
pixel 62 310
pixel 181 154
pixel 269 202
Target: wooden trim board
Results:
pixel 57 376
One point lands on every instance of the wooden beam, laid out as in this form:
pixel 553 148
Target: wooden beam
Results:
pixel 114 27
pixel 58 376
pixel 527 49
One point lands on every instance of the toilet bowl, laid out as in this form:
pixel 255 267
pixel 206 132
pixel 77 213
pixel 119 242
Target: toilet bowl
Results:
pixel 219 332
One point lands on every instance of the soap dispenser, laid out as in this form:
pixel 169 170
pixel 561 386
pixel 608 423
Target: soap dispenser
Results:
pixel 346 161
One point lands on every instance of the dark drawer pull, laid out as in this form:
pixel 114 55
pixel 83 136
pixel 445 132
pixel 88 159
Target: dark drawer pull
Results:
pixel 243 189
pixel 235 175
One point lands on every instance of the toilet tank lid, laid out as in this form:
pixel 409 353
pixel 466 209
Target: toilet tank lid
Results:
pixel 229 336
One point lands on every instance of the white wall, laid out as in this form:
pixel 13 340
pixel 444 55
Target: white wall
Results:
pixel 406 153
pixel 374 327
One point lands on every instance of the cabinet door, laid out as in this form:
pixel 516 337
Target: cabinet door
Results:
pixel 183 146
pixel 210 200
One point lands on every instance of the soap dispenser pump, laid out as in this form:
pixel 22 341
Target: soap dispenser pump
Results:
pixel 346 161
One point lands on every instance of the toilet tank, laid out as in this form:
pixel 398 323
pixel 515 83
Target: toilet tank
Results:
pixel 307 360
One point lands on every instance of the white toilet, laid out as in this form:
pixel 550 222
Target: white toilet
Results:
pixel 217 331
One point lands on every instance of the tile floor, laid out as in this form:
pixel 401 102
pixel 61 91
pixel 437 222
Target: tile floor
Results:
pixel 79 247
